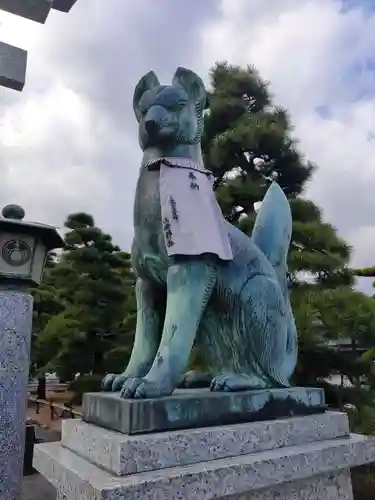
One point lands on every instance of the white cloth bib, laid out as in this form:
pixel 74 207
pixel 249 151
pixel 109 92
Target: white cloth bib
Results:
pixel 193 223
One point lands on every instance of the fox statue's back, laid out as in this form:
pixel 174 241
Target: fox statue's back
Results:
pixel 227 292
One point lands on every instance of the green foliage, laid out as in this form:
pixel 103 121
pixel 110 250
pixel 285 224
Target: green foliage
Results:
pixel 46 305
pixel 367 272
pixel 363 483
pixel 334 314
pixel 83 384
pixel 84 303
pixel 362 421
pixel 246 138
pixel 245 132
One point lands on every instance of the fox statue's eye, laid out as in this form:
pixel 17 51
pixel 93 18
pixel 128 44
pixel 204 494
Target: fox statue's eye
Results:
pixel 179 104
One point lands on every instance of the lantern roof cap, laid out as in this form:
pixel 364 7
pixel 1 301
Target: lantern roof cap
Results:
pixel 12 221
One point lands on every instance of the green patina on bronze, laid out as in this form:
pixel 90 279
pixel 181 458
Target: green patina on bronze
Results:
pixel 238 312
pixel 192 408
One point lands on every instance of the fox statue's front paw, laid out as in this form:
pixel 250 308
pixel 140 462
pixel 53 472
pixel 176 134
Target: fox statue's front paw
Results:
pixel 113 382
pixel 141 388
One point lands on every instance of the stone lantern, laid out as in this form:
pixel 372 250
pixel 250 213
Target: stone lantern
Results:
pixel 23 248
pixel 23 251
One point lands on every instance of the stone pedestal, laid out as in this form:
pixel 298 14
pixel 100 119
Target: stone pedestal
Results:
pixel 190 408
pixel 15 335
pixel 305 457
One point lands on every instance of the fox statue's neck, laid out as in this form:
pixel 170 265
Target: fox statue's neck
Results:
pixel 188 151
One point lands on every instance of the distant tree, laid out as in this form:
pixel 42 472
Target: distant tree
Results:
pixel 246 139
pixel 247 142
pixel 46 304
pixel 94 282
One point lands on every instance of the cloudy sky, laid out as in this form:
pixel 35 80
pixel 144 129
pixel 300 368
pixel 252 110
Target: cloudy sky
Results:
pixel 69 140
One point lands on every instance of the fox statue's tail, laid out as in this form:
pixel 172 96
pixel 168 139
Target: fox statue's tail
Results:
pixel 272 233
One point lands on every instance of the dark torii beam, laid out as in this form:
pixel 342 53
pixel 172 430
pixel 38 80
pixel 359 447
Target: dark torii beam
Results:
pixel 13 60
pixel 35 10
pixel 63 5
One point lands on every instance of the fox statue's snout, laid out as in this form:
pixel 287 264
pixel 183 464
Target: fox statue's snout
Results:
pixel 158 124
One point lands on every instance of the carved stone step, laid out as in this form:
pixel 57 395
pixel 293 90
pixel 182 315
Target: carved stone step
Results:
pixel 77 478
pixel 121 454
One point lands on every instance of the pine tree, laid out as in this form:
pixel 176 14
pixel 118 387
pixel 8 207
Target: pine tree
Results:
pixel 46 304
pixel 247 142
pixel 93 282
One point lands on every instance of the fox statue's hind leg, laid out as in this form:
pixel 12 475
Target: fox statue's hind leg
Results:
pixel 260 338
pixel 265 337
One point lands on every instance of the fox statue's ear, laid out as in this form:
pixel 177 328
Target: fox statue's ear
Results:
pixel 147 82
pixel 193 85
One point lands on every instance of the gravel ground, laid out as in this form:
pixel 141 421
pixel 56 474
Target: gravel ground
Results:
pixel 35 487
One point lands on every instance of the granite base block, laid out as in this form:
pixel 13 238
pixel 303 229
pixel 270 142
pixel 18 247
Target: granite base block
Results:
pixel 13 62
pixel 187 409
pixel 324 487
pixel 35 10
pixel 77 478
pixel 120 454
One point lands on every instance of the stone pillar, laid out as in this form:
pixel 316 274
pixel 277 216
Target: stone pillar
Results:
pixel 16 308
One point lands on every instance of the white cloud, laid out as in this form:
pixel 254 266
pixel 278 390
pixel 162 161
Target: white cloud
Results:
pixel 49 137
pixel 68 141
pixel 18 31
pixel 48 144
pixel 315 54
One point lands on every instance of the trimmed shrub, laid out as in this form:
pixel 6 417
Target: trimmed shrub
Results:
pixel 83 384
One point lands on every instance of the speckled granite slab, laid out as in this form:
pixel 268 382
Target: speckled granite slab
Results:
pixel 77 478
pixel 186 409
pixel 15 339
pixel 325 487
pixel 122 454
